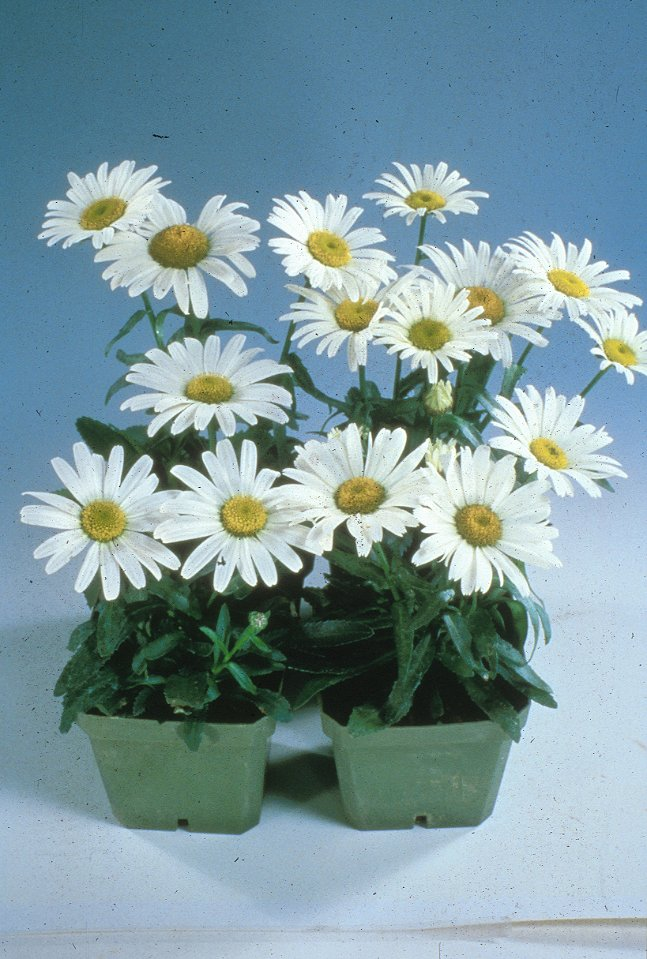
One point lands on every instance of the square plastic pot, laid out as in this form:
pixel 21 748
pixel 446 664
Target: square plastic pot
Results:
pixel 433 776
pixel 154 781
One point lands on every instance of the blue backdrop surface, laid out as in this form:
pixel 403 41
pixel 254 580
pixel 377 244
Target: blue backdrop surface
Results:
pixel 540 104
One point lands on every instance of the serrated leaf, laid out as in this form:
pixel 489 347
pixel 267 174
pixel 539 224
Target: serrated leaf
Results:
pixel 156 649
pixel 495 707
pixel 357 566
pixel 364 720
pixel 273 704
pixel 184 693
pixel 461 637
pixel 177 595
pixel 81 634
pixel 113 628
pixel 336 632
pixel 101 437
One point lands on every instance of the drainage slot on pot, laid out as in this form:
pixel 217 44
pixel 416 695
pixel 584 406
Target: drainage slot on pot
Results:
pixel 421 821
pixel 183 824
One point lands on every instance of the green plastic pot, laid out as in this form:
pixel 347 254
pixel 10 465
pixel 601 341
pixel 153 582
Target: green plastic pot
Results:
pixel 154 781
pixel 433 776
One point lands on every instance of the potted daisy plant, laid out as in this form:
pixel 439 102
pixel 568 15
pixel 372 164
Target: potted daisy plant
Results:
pixel 176 676
pixel 431 495
pixel 427 500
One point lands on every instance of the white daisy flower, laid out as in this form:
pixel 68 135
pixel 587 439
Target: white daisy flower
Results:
pixel 321 243
pixel 333 318
pixel 108 514
pixel 431 324
pixel 425 191
pixel 620 343
pixel 98 205
pixel 194 383
pixel 547 435
pixel 565 277
pixel 237 514
pixel 480 526
pixel 493 285
pixel 172 254
pixel 336 483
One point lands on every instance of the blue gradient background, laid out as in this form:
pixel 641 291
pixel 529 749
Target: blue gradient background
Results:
pixel 542 104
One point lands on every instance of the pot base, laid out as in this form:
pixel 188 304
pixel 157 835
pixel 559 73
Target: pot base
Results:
pixel 153 780
pixel 434 776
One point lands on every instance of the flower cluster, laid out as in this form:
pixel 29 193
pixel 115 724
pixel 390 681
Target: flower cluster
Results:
pixel 441 478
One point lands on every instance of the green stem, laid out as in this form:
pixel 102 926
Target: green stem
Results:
pixel 152 318
pixel 598 376
pixel 418 257
pixel 362 380
pixel 211 433
pixel 524 354
pixel 421 239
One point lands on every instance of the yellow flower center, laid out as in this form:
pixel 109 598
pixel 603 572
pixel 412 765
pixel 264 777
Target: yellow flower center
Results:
pixel 478 525
pixel 428 334
pixel 102 520
pixel 209 388
pixel 180 246
pixel 619 352
pixel 102 213
pixel 491 304
pixel 568 283
pixel 425 200
pixel 243 515
pixel 355 315
pixel 549 453
pixel 328 248
pixel 361 494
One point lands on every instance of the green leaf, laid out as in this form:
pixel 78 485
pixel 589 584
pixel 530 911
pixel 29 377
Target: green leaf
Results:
pixel 126 329
pixel 495 707
pixel 358 566
pixel 336 632
pixel 140 700
pixel 113 628
pixel 191 731
pixel 223 623
pixel 363 720
pixel 128 359
pixel 119 384
pixel 517 666
pixel 101 437
pixel 176 595
pixel 216 639
pixel 273 704
pixel 432 608
pixel 156 649
pixel 462 639
pixel 186 693
pixel 305 381
pixel 241 677
pixel 511 377
pixel 79 673
pixel 403 635
pixel 81 634
pixel 536 614
pixel 400 700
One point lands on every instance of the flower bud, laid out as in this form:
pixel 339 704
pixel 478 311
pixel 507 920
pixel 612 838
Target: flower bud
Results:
pixel 439 454
pixel 439 398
